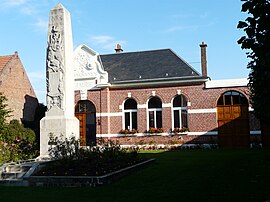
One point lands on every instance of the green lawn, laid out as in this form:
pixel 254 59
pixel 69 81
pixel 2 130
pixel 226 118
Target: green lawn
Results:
pixel 212 175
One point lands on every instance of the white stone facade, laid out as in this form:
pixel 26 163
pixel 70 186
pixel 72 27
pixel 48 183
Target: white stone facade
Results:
pixel 88 71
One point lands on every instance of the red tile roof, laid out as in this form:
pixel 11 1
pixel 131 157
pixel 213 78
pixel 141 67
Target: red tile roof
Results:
pixel 4 60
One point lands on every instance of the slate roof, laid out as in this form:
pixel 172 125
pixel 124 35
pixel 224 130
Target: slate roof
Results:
pixel 4 60
pixel 146 65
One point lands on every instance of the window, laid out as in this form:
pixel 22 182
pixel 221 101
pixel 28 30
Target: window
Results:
pixel 179 112
pixel 130 111
pixel 232 98
pixel 154 113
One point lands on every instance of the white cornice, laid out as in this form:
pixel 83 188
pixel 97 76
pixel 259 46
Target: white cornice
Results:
pixel 226 83
pixel 147 83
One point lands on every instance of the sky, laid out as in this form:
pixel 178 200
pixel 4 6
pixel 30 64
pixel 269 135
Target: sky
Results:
pixel 138 25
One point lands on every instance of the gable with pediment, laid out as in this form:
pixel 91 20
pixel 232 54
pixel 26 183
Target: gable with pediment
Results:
pixel 88 71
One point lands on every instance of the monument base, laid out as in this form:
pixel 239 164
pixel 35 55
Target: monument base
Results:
pixel 58 126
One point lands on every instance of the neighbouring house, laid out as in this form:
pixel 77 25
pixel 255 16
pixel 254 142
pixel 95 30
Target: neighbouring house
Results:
pixel 16 87
pixel 155 97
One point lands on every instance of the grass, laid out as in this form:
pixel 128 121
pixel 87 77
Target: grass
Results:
pixel 211 175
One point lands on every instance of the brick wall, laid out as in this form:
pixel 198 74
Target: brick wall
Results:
pixel 111 101
pixel 17 88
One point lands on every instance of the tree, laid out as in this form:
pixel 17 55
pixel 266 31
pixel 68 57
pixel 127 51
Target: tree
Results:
pixel 4 112
pixel 257 42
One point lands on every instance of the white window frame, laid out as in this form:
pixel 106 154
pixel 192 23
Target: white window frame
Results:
pixel 130 117
pixel 180 109
pixel 155 116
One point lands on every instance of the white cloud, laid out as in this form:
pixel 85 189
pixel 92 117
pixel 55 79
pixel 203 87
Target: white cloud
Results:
pixel 29 10
pixel 179 28
pixel 11 3
pixel 36 76
pixel 105 42
pixel 188 27
pixel 102 39
pixel 25 7
pixel 41 25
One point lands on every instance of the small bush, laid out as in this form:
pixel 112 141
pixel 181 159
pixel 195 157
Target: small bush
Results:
pixel 17 143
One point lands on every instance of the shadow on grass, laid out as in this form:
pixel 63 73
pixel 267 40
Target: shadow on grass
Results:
pixel 193 175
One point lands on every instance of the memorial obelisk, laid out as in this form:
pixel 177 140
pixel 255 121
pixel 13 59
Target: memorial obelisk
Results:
pixel 59 119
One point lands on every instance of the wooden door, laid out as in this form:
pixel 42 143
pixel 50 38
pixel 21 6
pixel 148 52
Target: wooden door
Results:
pixel 82 120
pixel 233 126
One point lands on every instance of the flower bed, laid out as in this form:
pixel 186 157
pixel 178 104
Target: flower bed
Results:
pixel 84 181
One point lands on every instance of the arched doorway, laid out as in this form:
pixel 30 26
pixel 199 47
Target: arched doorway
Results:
pixel 233 120
pixel 85 111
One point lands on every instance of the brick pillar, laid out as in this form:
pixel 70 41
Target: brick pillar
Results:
pixel 166 119
pixel 142 120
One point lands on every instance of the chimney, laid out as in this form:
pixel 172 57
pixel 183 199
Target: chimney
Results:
pixel 203 59
pixel 118 48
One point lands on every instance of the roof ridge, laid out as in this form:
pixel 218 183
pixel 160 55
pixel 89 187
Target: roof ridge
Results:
pixel 162 49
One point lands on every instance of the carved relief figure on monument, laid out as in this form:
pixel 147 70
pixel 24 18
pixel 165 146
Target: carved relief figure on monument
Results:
pixel 55 69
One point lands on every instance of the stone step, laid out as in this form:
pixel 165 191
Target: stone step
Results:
pixel 14 171
pixel 17 168
pixel 12 175
pixel 14 183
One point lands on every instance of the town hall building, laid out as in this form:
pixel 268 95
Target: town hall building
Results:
pixel 156 97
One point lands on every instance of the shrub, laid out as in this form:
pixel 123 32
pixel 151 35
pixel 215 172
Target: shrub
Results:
pixel 17 143
pixel 71 159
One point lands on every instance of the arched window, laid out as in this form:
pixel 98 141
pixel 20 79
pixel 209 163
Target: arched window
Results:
pixel 179 112
pixel 154 113
pixel 232 98
pixel 85 106
pixel 130 111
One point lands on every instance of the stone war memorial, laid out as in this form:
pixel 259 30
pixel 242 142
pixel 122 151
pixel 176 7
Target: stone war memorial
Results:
pixel 59 120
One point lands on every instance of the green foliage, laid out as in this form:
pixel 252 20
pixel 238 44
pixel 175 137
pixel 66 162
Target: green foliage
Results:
pixel 17 130
pixel 64 148
pixel 4 112
pixel 256 41
pixel 16 141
